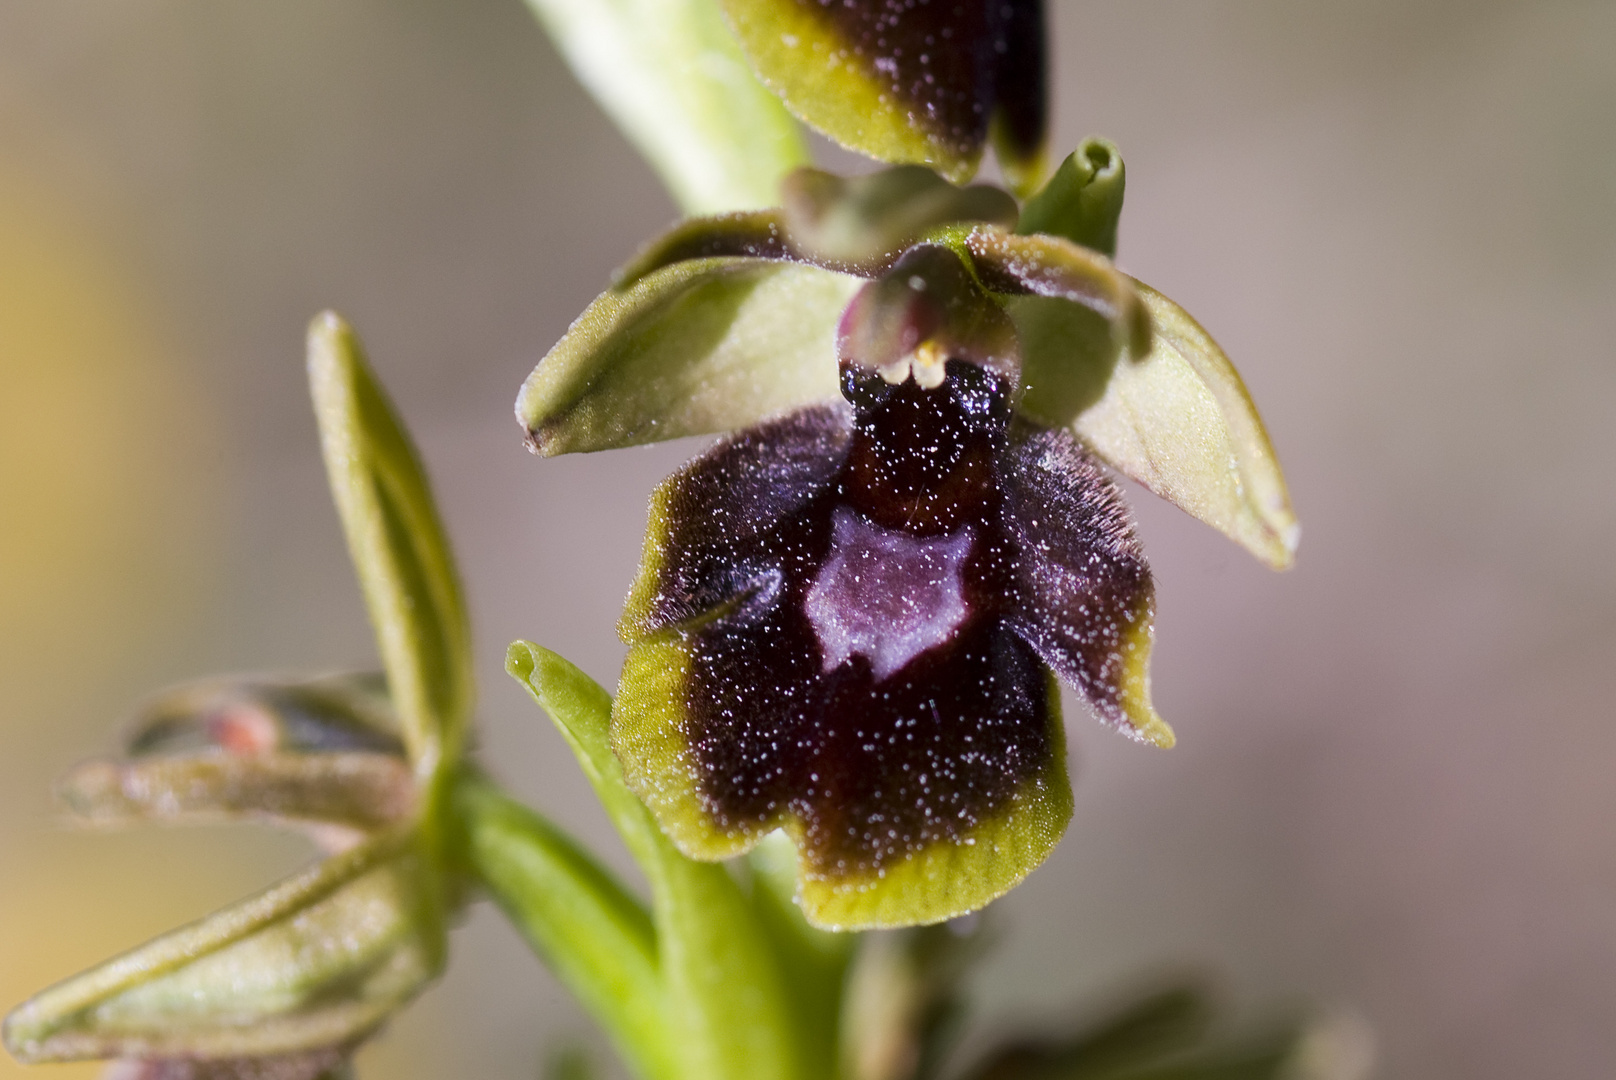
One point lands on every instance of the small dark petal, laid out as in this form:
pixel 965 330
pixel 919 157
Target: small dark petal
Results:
pixel 1086 597
pixel 758 234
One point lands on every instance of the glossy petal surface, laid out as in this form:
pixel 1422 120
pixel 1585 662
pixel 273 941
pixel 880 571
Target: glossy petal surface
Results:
pixel 1178 420
pixel 699 346
pixel 830 633
pixel 919 83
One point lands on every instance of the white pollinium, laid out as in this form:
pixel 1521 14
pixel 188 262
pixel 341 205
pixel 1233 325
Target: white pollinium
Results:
pixel 886 595
pixel 927 363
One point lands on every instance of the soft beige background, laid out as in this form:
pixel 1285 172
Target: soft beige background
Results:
pixel 1394 785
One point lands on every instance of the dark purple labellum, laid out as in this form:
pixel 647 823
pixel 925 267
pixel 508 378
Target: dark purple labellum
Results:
pixel 846 622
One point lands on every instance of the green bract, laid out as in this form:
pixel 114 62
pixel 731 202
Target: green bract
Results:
pixel 779 565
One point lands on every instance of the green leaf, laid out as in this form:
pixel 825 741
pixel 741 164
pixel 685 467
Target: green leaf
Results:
pixel 669 73
pixel 398 547
pixel 731 1005
pixel 1083 200
pixel 1177 420
pixel 595 937
pixel 317 961
pixel 700 346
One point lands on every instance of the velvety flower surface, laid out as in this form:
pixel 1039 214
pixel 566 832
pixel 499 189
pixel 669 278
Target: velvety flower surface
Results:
pixel 850 617
pixel 909 80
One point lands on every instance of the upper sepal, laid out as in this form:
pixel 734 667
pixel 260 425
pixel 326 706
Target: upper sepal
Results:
pixel 316 962
pixel 1177 419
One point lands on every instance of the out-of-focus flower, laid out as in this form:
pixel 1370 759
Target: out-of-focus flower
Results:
pixel 929 83
pixel 285 984
pixel 849 613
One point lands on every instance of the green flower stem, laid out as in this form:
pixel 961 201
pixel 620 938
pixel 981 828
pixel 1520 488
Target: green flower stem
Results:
pixel 595 936
pixel 726 983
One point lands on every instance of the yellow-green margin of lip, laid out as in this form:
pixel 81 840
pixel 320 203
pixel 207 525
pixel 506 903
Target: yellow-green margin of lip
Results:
pixel 942 881
pixel 1144 724
pixel 955 877
pixel 826 86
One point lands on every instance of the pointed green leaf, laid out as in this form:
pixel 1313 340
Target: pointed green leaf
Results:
pixel 1083 200
pixel 696 347
pixel 1178 420
pixel 595 937
pixel 671 76
pixel 398 546
pixel 731 1004
pixel 319 960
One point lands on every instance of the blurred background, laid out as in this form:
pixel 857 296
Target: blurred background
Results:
pixel 1394 788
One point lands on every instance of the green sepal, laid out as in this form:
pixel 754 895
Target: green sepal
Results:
pixel 1177 419
pixel 696 347
pixel 399 549
pixel 319 960
pixel 591 932
pixel 672 77
pixel 1083 200
pixel 731 1007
